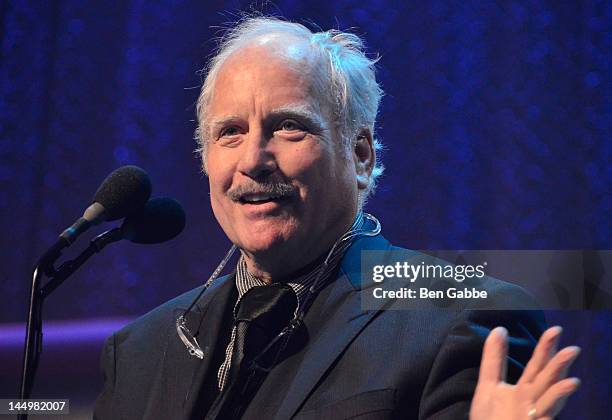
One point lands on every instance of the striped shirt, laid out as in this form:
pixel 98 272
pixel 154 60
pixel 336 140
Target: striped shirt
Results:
pixel 245 281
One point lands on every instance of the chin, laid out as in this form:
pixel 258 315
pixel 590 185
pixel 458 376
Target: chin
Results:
pixel 265 239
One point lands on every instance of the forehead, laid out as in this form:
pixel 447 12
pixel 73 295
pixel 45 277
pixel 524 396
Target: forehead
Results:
pixel 268 74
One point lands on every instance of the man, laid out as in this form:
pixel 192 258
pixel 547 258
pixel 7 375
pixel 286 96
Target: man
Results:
pixel 286 128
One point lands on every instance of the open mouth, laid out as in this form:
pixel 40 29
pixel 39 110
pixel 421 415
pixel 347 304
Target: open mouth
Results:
pixel 260 199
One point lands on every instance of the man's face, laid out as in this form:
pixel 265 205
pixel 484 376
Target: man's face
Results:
pixel 281 187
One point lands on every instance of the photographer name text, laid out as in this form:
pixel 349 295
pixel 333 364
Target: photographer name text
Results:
pixel 410 273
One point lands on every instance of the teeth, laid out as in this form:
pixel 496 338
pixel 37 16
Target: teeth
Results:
pixel 254 198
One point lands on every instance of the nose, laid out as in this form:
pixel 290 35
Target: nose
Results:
pixel 257 160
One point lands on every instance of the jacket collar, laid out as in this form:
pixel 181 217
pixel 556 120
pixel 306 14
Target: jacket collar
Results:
pixel 351 263
pixel 175 390
pixel 334 320
pixel 331 324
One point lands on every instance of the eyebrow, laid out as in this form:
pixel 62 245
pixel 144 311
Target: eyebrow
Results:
pixel 220 122
pixel 301 111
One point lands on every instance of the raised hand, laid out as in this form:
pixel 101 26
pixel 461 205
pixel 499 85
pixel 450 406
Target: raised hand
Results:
pixel 541 391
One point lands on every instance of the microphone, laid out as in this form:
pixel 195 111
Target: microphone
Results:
pixel 160 220
pixel 123 192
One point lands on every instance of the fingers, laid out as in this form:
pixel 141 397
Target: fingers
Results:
pixel 555 369
pixel 544 351
pixel 493 363
pixel 553 400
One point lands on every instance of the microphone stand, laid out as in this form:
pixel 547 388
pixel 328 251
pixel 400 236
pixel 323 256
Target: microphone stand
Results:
pixel 38 293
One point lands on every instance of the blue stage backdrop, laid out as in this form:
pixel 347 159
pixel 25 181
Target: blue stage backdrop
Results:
pixel 496 125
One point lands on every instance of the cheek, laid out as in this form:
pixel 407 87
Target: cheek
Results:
pixel 305 160
pixel 335 180
pixel 215 199
pixel 219 171
pixel 306 169
pixel 219 181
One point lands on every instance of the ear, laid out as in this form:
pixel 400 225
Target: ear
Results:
pixel 364 157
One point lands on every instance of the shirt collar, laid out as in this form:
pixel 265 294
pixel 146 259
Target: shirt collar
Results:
pixel 300 285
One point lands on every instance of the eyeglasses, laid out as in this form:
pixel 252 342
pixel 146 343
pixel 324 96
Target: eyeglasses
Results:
pixel 193 347
pixel 183 332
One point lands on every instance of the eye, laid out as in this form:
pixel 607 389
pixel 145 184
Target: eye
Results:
pixel 290 125
pixel 229 131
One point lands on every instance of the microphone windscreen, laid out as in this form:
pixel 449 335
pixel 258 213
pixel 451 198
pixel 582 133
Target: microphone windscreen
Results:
pixel 160 220
pixel 123 192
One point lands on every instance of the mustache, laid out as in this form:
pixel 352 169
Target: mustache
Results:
pixel 277 188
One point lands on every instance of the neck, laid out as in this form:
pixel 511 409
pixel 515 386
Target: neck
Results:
pixel 269 277
pixel 277 265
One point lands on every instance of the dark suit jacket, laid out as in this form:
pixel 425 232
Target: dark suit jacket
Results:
pixel 375 364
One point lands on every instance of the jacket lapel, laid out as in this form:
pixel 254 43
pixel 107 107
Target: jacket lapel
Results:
pixel 180 376
pixel 333 321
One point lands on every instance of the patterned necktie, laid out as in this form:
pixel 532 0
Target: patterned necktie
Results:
pixel 263 311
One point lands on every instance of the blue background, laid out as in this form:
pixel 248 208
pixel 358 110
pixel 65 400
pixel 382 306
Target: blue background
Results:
pixel 496 124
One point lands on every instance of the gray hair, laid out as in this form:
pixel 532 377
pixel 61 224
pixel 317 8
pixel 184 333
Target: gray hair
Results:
pixel 351 86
